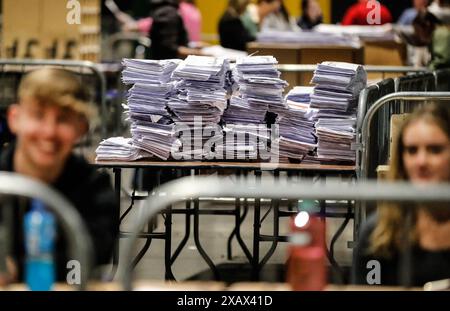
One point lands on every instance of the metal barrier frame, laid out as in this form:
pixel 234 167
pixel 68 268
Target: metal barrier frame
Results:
pixel 188 188
pixel 80 243
pixel 369 68
pixel 364 138
pixel 365 132
pixel 72 64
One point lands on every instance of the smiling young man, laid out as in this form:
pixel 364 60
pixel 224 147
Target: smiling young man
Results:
pixel 50 117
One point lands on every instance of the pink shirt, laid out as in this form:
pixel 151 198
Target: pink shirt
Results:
pixel 192 20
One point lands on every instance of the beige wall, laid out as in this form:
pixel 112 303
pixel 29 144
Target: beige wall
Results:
pixel 45 21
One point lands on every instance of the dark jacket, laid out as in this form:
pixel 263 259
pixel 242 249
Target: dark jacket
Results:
pixel 92 195
pixel 233 34
pixel 426 265
pixel 167 32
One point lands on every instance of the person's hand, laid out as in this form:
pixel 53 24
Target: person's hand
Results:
pixel 10 275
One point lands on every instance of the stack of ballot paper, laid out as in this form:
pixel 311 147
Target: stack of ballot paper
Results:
pixel 119 149
pixel 296 125
pixel 308 38
pixel 259 82
pixel 148 71
pixel 152 128
pixel 201 99
pixel 259 88
pixel 158 139
pixel 335 96
pixel 151 89
pixel 242 142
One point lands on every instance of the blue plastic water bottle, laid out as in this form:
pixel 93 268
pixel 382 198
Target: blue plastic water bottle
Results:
pixel 39 226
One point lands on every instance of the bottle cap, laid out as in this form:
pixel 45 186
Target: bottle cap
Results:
pixel 37 205
pixel 309 206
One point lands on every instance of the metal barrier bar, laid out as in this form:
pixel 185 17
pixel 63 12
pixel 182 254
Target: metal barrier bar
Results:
pixel 365 135
pixel 368 68
pixel 66 63
pixel 80 244
pixel 188 187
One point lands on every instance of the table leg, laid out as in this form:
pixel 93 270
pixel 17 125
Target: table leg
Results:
pixel 187 233
pixel 256 233
pixel 168 244
pixel 197 241
pixel 117 190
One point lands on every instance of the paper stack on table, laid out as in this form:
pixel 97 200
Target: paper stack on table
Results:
pixel 152 128
pixel 157 138
pixel 296 125
pixel 119 149
pixel 148 71
pixel 202 90
pixel 259 82
pixel 336 95
pixel 260 89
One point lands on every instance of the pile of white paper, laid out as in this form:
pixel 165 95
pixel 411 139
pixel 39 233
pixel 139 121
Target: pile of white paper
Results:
pixel 335 95
pixel 296 125
pixel 201 99
pixel 260 89
pixel 151 124
pixel 119 149
pixel 259 82
pixel 308 38
pixel 372 32
pixel 156 138
pixel 148 71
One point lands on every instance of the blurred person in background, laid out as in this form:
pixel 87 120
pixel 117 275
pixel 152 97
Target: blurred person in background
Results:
pixel 311 15
pixel 190 14
pixel 410 14
pixel 433 34
pixel 359 13
pixel 168 33
pixel 441 9
pixel 421 156
pixel 233 34
pixel 256 13
pixel 280 20
pixel 50 118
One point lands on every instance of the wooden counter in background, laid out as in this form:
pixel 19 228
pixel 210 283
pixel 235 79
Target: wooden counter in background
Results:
pixel 385 53
pixel 382 53
pixel 294 53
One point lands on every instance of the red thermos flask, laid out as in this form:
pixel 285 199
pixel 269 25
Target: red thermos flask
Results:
pixel 306 267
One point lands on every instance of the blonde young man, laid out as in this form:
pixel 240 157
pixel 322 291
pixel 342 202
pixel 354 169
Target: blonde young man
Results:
pixel 50 117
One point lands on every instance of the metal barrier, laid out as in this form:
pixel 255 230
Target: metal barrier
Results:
pixel 418 82
pixel 80 244
pixel 138 42
pixel 297 68
pixel 190 188
pixel 367 98
pixel 365 137
pixel 442 80
pixel 81 65
pixel 365 131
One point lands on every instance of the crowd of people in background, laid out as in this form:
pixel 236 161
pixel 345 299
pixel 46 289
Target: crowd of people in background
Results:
pixel 174 26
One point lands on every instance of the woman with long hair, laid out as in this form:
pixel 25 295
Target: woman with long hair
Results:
pixel 311 15
pixel 280 20
pixel 422 156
